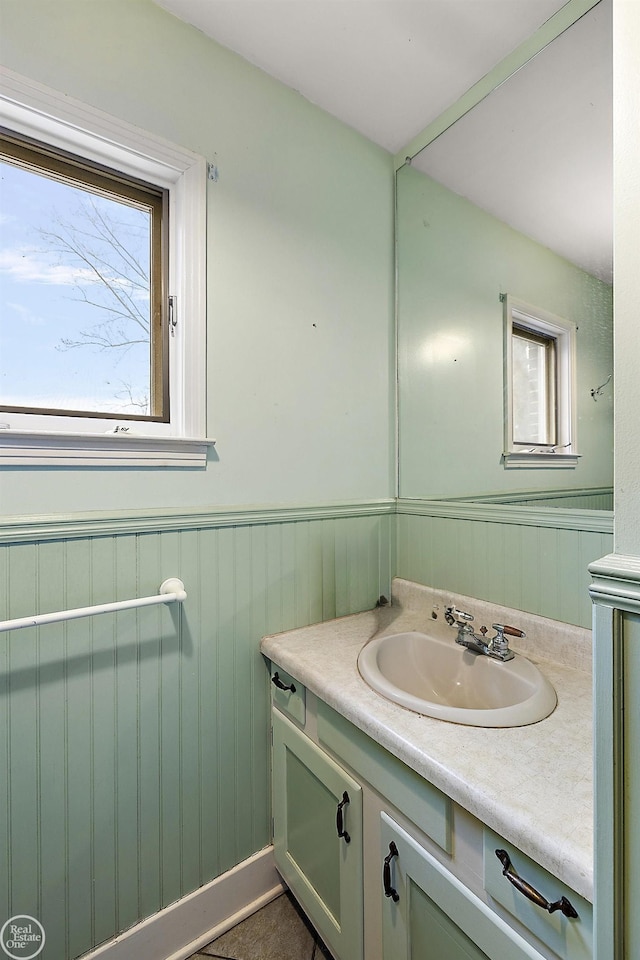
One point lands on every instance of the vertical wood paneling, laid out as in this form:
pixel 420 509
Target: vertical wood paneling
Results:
pixel 328 570
pixel 341 569
pixel 550 583
pixel 209 685
pixel 191 692
pixel 5 782
pixel 23 741
pixel 79 759
pixel 539 569
pixel 132 715
pixel 244 781
pixel 314 610
pixel 259 739
pixel 135 745
pixel 288 575
pixel 51 721
pixel 140 558
pixel 300 572
pixel 103 723
pixel 171 661
pixel 226 696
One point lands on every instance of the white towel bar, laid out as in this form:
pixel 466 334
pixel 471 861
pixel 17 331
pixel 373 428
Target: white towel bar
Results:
pixel 171 591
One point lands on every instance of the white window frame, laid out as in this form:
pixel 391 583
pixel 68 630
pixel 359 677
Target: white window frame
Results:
pixel 564 453
pixel 36 111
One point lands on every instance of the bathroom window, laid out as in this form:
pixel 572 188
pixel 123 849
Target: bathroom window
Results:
pixel 84 262
pixel 102 265
pixel 539 394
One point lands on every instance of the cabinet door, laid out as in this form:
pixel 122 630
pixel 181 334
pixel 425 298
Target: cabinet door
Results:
pixel 312 798
pixel 428 914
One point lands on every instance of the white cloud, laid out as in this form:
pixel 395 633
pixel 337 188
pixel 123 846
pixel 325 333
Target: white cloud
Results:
pixel 25 315
pixel 27 265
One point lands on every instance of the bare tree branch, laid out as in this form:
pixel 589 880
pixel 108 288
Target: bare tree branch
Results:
pixel 119 283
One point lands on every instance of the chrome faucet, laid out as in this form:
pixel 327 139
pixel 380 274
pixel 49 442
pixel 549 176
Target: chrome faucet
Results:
pixel 496 647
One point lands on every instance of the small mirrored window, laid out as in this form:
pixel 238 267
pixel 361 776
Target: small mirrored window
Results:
pixel 539 385
pixel 534 387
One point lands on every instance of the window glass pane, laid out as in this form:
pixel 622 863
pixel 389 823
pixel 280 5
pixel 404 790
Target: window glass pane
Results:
pixel 532 420
pixel 75 297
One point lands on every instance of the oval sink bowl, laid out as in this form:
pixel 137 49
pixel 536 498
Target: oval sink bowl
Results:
pixel 439 678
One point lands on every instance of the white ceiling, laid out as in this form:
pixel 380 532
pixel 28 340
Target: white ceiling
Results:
pixel 537 153
pixel 387 68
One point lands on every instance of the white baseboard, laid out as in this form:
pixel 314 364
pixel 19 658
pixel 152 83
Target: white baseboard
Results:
pixel 186 926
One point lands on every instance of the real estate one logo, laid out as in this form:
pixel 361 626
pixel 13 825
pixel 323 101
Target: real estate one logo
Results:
pixel 22 937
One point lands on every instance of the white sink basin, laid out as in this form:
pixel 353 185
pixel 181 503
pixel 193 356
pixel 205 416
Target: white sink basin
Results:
pixel 440 679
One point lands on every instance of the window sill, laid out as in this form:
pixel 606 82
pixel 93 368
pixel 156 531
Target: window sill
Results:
pixel 517 458
pixel 100 450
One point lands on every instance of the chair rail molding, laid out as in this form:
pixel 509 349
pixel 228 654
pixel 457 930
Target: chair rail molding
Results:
pixel 616 582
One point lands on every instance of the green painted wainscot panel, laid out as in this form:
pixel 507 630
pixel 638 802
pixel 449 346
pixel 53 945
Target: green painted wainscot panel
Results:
pixel 134 748
pixel 528 558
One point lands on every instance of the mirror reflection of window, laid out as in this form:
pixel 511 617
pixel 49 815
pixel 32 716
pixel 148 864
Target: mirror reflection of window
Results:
pixel 540 384
pixel 534 388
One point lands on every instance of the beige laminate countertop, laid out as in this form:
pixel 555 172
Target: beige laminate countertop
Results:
pixel 532 784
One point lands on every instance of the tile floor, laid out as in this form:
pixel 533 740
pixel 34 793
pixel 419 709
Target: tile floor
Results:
pixel 279 931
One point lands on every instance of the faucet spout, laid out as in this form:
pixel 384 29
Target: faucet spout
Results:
pixel 496 647
pixel 473 643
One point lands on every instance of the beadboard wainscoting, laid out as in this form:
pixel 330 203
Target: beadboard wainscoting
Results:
pixel 134 750
pixel 591 498
pixel 528 558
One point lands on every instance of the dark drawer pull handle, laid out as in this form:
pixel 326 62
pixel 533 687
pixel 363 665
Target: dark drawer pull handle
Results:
pixel 530 892
pixel 282 686
pixel 389 891
pixel 339 820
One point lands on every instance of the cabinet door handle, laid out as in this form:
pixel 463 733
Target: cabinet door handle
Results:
pixel 282 686
pixel 342 833
pixel 530 892
pixel 389 891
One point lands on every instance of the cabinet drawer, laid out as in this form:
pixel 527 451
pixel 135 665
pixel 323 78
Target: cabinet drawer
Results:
pixel 419 800
pixel 288 695
pixel 570 938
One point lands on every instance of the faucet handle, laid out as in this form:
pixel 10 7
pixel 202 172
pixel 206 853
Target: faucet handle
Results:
pixel 503 628
pixel 499 644
pixel 452 615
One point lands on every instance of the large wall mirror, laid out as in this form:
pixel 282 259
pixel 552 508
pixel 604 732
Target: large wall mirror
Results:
pixel 514 198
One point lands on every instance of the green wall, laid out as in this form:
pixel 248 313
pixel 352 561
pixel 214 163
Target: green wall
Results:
pixel 454 261
pixel 300 263
pixel 134 749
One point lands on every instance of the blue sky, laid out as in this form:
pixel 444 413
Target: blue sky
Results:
pixel 41 292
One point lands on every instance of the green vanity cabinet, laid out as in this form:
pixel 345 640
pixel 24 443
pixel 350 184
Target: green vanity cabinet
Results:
pixel 386 865
pixel 428 914
pixel 314 801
